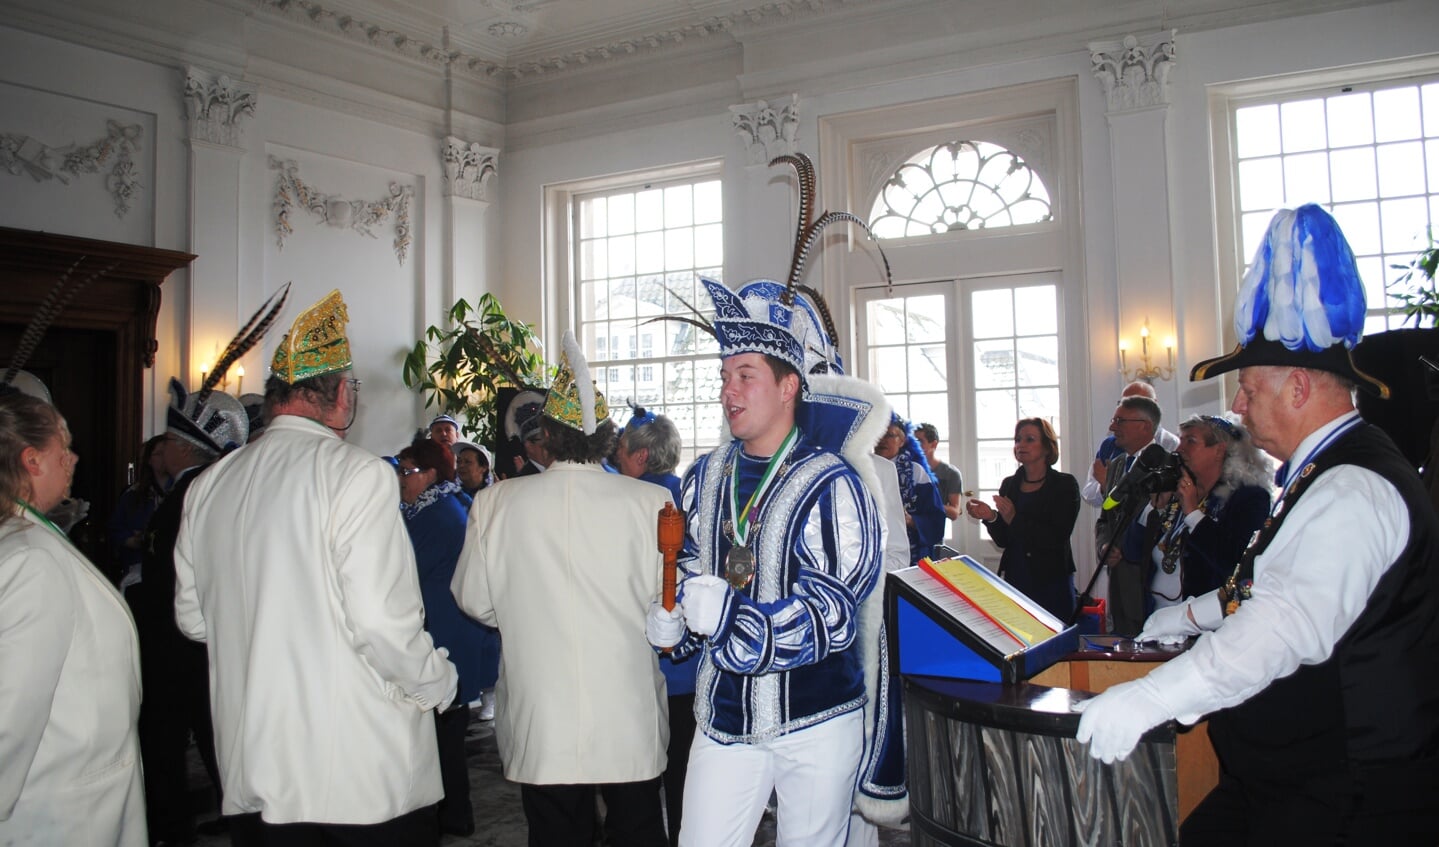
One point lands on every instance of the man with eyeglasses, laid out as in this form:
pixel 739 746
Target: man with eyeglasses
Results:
pixel 1135 421
pixel 1093 490
pixel 294 567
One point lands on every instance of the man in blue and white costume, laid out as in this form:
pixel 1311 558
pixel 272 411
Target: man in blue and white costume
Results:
pixel 784 545
pixel 1317 660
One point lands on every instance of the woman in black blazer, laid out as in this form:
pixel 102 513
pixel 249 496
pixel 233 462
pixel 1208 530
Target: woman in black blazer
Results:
pixel 1032 518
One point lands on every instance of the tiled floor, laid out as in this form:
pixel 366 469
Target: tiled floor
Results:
pixel 499 821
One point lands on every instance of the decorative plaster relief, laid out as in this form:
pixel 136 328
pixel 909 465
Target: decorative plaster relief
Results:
pixel 749 16
pixel 767 131
pixel 1134 72
pixel 23 154
pixel 331 209
pixel 468 168
pixel 216 105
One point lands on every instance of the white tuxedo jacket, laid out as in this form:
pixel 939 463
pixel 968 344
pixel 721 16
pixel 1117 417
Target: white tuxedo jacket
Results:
pixel 294 566
pixel 565 563
pixel 69 697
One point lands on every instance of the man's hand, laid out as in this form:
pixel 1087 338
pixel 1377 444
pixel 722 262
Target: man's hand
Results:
pixel 1113 722
pixel 664 627
pixel 1100 470
pixel 703 599
pixel 1170 625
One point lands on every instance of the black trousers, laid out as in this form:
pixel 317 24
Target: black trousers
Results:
pixel 564 815
pixel 682 735
pixel 413 829
pixel 1393 807
pixel 457 816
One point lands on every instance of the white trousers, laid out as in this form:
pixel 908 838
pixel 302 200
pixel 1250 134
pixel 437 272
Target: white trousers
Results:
pixel 812 772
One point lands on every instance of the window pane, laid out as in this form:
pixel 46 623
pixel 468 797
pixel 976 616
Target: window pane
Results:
pixel 1430 99
pixel 649 252
pixel 1035 310
pixel 1306 179
pixel 649 211
pixel 1037 361
pixel 1396 114
pixel 622 214
pixel 886 322
pixel 994 363
pixel 707 202
pixel 1360 223
pixel 678 211
pixel 1402 224
pixel 1353 172
pixel 1303 125
pixel 886 368
pixel 1253 226
pixel 992 313
pixel 925 318
pixel 592 218
pixel 1401 169
pixel 594 258
pixel 1257 131
pixel 995 414
pixel 709 244
pixel 927 371
pixel 1039 403
pixel 1350 120
pixel 1261 184
pixel 679 249
pixel 957 186
pixel 996 461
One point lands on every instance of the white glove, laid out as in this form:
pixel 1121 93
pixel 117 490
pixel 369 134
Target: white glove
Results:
pixel 703 599
pixel 664 627
pixel 1170 625
pixel 1113 722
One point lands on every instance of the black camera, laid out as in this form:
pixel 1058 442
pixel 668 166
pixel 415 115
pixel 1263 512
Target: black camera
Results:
pixel 1166 476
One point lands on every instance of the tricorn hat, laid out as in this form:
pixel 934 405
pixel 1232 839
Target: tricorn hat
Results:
pixel 1301 304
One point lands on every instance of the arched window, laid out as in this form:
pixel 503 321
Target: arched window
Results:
pixel 960 185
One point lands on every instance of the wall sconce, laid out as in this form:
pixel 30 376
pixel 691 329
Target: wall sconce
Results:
pixel 1145 369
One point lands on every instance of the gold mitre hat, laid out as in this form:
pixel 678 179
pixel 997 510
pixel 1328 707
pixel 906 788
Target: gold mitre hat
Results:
pixel 573 399
pixel 316 344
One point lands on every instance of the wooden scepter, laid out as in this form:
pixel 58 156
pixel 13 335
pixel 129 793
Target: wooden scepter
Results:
pixel 671 530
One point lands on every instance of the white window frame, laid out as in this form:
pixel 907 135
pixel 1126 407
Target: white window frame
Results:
pixel 1223 101
pixel 559 296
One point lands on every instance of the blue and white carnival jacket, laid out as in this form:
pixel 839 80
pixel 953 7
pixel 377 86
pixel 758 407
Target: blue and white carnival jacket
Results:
pixel 787 653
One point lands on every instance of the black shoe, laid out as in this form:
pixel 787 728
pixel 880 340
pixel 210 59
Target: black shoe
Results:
pixel 218 826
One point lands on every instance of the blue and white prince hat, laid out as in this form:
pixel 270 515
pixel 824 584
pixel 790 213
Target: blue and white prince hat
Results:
pixel 789 321
pixel 1301 304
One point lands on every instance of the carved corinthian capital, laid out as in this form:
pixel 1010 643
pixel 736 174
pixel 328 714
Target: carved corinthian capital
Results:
pixel 217 105
pixel 767 129
pixel 469 168
pixel 1135 71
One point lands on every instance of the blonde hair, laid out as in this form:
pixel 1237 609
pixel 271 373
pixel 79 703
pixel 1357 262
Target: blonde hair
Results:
pixel 25 421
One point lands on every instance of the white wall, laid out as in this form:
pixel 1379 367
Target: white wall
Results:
pixel 57 92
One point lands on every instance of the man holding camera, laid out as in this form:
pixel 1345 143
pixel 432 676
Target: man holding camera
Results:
pixel 1135 421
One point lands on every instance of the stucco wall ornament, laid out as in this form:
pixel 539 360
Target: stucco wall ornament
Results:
pixel 217 105
pixel 360 215
pixel 1135 71
pixel 767 130
pixel 23 154
pixel 469 168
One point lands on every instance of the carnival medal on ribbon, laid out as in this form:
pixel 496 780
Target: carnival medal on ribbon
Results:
pixel 739 563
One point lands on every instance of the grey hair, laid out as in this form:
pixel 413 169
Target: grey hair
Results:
pixel 662 438
pixel 1244 464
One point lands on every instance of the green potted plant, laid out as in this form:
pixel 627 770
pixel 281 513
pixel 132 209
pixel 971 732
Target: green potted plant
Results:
pixel 460 368
pixel 1416 284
